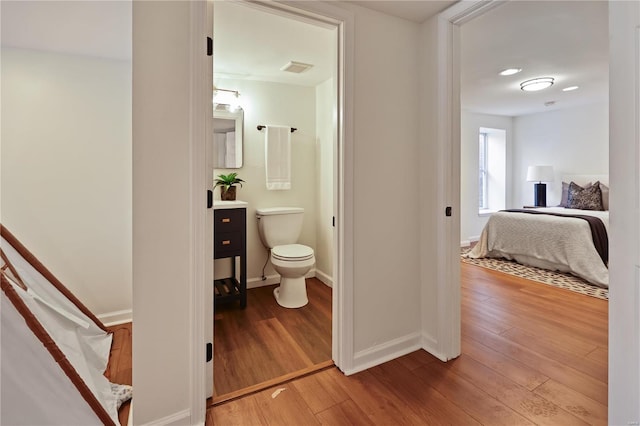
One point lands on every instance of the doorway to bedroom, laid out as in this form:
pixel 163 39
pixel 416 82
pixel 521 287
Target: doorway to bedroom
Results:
pixel 565 129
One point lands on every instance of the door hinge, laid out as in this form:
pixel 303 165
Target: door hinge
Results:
pixel 447 211
pixel 209 46
pixel 209 351
pixel 334 221
pixel 209 198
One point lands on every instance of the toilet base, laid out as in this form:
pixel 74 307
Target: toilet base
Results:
pixel 292 293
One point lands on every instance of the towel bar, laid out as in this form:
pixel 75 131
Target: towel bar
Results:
pixel 260 127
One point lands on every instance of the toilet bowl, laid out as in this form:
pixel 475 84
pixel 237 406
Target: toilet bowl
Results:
pixel 292 262
pixel 279 229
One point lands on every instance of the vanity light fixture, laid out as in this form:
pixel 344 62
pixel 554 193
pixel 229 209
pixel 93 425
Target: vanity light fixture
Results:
pixel 536 84
pixel 570 88
pixel 226 97
pixel 510 71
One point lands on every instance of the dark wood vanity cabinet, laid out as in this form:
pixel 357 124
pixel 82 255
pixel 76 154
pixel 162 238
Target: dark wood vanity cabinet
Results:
pixel 230 241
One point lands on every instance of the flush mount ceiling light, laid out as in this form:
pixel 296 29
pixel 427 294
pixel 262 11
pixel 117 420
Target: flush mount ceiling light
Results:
pixel 296 67
pixel 570 88
pixel 536 84
pixel 510 71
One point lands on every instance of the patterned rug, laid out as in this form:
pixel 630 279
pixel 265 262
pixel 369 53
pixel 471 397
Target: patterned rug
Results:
pixel 557 279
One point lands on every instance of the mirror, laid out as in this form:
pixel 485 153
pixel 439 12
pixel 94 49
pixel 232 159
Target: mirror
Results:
pixel 227 136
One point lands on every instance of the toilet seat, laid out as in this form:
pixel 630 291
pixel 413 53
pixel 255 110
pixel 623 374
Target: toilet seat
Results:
pixel 292 252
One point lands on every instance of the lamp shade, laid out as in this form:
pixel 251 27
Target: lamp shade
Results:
pixel 540 174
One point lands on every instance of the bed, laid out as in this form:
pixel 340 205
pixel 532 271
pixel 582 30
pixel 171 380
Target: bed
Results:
pixel 562 238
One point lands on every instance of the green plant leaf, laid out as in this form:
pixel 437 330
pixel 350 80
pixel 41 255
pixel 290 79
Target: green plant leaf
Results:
pixel 228 180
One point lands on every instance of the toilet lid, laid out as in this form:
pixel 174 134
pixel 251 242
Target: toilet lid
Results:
pixel 292 252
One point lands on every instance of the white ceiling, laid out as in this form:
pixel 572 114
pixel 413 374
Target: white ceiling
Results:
pixel 254 44
pixel 567 40
pixel 413 10
pixel 93 28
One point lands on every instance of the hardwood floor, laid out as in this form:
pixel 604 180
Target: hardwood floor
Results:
pixel 531 354
pixel 119 367
pixel 265 343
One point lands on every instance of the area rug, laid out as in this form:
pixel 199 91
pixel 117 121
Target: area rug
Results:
pixel 557 279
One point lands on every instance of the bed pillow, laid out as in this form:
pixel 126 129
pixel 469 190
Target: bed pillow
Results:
pixel 605 196
pixel 564 199
pixel 584 198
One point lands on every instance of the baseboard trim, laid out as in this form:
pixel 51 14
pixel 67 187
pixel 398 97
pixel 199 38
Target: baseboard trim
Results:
pixel 325 278
pixel 430 345
pixel 259 282
pixel 116 318
pixel 471 240
pixel 382 353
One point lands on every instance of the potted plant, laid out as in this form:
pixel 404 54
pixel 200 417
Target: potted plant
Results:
pixel 227 184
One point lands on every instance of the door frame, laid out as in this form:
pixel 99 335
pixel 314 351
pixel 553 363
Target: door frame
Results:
pixel 342 301
pixel 624 303
pixel 201 179
pixel 447 345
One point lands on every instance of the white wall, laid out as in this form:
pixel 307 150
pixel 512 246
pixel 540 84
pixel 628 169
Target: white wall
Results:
pixel 66 171
pixel 162 221
pixel 325 149
pixel 471 223
pixel 573 141
pixel 386 197
pixel 624 266
pixel 282 104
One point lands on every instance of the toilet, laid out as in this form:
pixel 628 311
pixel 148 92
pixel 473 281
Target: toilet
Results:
pixel 279 229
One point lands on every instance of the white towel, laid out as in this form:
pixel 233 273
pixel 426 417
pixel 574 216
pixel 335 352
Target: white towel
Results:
pixel 219 140
pixel 277 152
pixel 230 150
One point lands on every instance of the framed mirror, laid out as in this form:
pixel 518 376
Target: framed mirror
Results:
pixel 227 136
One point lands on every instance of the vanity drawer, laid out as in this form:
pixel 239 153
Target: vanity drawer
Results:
pixel 227 220
pixel 227 243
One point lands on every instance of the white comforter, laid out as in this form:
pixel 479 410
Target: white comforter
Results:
pixel 545 241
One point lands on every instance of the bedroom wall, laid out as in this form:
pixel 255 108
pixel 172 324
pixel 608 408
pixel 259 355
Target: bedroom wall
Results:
pixel 283 104
pixel 573 141
pixel 66 171
pixel 471 222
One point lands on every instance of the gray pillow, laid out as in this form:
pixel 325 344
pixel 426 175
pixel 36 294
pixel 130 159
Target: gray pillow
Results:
pixel 605 196
pixel 584 198
pixel 565 193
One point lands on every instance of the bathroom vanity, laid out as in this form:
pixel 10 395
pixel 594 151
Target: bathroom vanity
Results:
pixel 230 241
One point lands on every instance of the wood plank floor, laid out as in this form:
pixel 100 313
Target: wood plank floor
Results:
pixel 531 354
pixel 119 367
pixel 265 342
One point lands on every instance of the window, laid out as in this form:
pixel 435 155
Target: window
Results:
pixel 492 170
pixel 483 200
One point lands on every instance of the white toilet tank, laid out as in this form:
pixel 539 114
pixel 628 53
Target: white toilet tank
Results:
pixel 279 225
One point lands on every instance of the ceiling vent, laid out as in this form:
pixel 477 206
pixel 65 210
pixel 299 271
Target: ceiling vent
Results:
pixel 296 67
